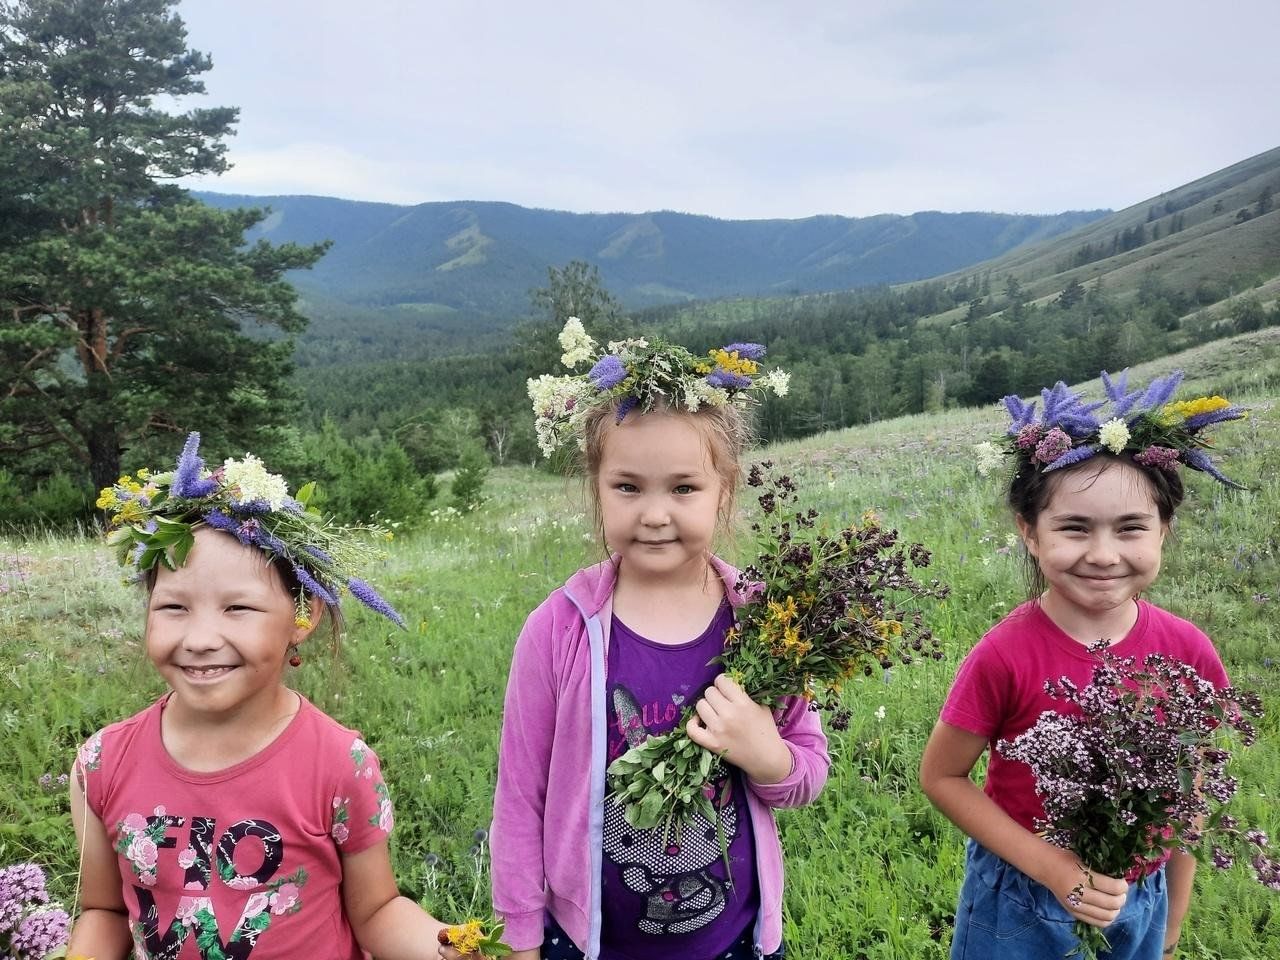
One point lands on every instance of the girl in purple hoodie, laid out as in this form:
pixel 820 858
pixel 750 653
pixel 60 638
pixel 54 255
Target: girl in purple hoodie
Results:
pixel 615 655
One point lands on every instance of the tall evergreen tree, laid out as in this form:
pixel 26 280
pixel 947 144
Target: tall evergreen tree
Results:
pixel 124 303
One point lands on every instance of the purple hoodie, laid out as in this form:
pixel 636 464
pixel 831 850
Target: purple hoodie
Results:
pixel 548 813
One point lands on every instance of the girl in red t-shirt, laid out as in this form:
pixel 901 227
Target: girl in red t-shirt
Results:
pixel 1093 499
pixel 232 818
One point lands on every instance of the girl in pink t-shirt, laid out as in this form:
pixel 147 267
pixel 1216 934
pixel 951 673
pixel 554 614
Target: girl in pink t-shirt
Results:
pixel 1093 498
pixel 233 819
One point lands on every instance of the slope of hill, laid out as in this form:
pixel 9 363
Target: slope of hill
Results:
pixel 1206 241
pixel 481 258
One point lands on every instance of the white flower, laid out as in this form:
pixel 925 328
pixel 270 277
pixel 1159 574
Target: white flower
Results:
pixel 779 381
pixel 578 346
pixel 709 395
pixel 250 477
pixel 987 457
pixel 1114 434
pixel 880 712
pixel 628 345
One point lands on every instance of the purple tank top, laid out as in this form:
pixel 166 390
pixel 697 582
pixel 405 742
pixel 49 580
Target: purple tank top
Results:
pixel 671 899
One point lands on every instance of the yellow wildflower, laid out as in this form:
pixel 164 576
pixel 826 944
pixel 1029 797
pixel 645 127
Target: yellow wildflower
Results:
pixel 302 621
pixel 1185 409
pixel 729 360
pixel 131 512
pixel 144 473
pixel 467 937
pixel 107 499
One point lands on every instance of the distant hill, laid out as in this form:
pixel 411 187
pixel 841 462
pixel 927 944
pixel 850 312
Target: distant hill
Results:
pixel 459 263
pixel 1207 242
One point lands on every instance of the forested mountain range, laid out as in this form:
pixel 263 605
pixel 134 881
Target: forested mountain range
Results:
pixel 441 266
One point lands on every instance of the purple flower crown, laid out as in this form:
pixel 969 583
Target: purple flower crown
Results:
pixel 152 517
pixel 1146 423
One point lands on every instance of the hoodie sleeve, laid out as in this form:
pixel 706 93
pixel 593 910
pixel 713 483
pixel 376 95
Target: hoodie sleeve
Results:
pixel 524 758
pixel 801 730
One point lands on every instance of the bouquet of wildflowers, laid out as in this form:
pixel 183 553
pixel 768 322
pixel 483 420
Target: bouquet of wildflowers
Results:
pixel 31 927
pixel 1138 769
pixel 476 936
pixel 823 608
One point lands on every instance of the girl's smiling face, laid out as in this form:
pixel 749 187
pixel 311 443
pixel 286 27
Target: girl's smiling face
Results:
pixel 219 627
pixel 1097 541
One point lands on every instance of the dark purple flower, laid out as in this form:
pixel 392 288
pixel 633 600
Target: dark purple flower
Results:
pixel 1072 456
pixel 1053 445
pixel 1202 420
pixel 625 406
pixel 187 482
pixel 370 598
pixel 1028 436
pixel 1199 460
pixel 313 586
pixel 1162 458
pixel 608 372
pixel 726 380
pixel 747 351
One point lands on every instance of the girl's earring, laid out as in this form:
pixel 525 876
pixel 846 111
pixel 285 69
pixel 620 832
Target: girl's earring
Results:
pixel 295 659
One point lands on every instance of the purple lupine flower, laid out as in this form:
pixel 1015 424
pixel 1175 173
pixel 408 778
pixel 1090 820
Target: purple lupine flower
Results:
pixel 187 482
pixel 747 351
pixel 625 406
pixel 313 586
pixel 1072 456
pixel 1162 458
pixel 1118 392
pixel 1202 420
pixel 1021 413
pixel 1199 460
pixel 1054 444
pixel 370 598
pixel 317 553
pixel 727 380
pixel 220 521
pixel 1078 423
pixel 608 372
pixel 1056 399
pixel 251 507
pixel 1160 390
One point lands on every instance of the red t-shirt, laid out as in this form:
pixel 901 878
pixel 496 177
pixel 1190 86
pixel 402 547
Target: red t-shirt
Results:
pixel 999 689
pixel 244 860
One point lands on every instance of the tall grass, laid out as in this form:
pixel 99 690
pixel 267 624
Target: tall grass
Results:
pixel 872 869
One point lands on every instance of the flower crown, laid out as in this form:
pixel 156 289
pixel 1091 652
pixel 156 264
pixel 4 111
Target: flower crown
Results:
pixel 152 517
pixel 642 373
pixel 1159 433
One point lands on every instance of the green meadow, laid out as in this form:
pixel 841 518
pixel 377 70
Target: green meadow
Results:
pixel 872 870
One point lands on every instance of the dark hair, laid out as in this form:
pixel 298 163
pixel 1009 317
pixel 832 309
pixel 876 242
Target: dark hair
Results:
pixel 1031 489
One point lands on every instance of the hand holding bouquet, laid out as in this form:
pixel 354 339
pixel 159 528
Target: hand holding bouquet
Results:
pixel 822 608
pixel 1139 771
pixel 475 937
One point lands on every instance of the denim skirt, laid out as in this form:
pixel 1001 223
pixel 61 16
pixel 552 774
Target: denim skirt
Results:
pixel 1005 915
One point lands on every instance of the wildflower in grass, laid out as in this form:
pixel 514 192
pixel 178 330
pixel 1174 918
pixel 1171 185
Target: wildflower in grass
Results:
pixel 1138 769
pixel 31 926
pixel 824 607
pixel 370 598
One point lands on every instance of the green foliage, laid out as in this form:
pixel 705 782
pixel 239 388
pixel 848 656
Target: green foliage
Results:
pixel 467 488
pixel 54 502
pixel 123 302
pixel 364 480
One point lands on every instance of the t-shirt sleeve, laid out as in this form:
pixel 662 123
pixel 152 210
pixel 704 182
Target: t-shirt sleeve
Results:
pixel 361 805
pixel 976 702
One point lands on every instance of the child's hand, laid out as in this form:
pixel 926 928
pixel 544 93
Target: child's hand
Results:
pixel 1091 897
pixel 729 723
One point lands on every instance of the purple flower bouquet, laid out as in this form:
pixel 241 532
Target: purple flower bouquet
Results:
pixel 1137 768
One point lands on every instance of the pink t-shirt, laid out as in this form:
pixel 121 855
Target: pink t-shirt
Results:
pixel 999 690
pixel 245 860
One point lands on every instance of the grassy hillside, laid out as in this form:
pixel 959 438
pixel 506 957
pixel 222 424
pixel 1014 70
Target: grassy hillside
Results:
pixel 1208 240
pixel 872 870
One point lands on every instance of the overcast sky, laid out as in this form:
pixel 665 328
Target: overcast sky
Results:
pixel 741 108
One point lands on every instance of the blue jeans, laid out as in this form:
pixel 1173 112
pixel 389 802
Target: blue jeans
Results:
pixel 1005 915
